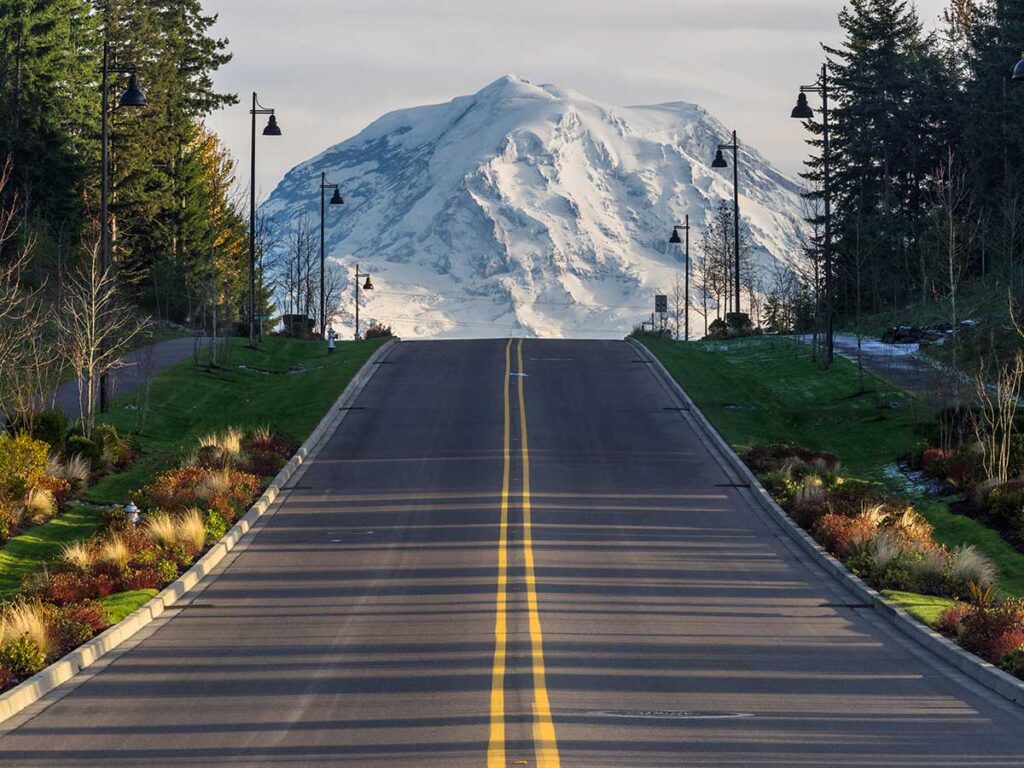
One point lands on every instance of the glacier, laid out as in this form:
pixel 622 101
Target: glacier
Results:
pixel 529 210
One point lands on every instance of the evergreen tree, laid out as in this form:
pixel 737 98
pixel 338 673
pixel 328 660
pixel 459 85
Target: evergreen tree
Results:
pixel 49 59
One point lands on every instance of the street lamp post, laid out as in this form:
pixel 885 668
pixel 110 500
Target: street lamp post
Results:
pixel 1018 71
pixel 803 111
pixel 336 199
pixel 271 129
pixel 367 287
pixel 131 97
pixel 720 162
pixel 676 240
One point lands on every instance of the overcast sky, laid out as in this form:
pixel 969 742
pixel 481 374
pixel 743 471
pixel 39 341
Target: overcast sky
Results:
pixel 329 67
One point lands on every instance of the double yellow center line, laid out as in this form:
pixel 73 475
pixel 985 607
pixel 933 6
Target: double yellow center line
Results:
pixel 545 744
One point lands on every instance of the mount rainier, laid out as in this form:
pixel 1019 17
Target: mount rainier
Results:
pixel 529 210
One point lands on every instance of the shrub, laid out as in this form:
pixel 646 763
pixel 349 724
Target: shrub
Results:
pixel 764 458
pixel 967 566
pixel 71 634
pixel 1013 662
pixel 264 464
pixel 65 588
pixel 950 620
pixel 88 612
pixel 992 631
pixel 22 463
pixel 116 450
pixel 167 570
pixel 377 330
pixel 57 486
pixel 214 525
pixel 40 506
pixel 82 446
pixel 23 657
pixel 145 577
pixel 50 426
pixel 10 516
pixel 7 678
pixel 837 533
pixel 810 489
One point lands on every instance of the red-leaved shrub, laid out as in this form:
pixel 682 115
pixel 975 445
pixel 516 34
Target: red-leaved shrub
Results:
pixel 89 612
pixel 951 618
pixel 58 486
pixel 992 631
pixel 837 533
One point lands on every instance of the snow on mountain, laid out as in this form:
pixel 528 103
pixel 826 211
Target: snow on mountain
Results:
pixel 528 210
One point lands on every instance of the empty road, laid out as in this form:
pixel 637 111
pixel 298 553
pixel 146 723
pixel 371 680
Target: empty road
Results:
pixel 516 553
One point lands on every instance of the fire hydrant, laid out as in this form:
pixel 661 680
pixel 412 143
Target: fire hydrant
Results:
pixel 331 336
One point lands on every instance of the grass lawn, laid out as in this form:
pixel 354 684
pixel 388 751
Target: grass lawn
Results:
pixel 925 608
pixel 123 603
pixel 286 383
pixel 767 390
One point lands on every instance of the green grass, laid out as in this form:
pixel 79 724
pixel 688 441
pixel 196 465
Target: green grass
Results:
pixel 124 603
pixel 765 390
pixel 186 402
pixel 925 608
pixel 783 397
pixel 30 551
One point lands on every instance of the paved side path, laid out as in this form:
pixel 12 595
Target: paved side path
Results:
pixel 901 365
pixel 436 588
pixel 137 366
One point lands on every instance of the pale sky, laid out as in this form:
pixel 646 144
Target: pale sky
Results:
pixel 330 67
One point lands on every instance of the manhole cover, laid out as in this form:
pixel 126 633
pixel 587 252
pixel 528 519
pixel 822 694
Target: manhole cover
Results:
pixel 670 714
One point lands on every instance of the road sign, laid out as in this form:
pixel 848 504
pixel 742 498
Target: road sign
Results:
pixel 661 304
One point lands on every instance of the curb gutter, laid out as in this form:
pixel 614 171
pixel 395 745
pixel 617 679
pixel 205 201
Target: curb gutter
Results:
pixel 65 668
pixel 979 670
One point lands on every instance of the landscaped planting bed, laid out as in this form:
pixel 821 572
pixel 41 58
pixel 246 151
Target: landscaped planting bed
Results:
pixel 95 582
pixel 886 542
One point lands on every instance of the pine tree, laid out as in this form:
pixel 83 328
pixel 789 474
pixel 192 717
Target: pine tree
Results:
pixel 49 59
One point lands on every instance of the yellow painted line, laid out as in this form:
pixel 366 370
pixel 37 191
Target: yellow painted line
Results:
pixel 496 742
pixel 545 744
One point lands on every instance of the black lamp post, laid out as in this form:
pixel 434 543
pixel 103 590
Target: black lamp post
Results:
pixel 368 286
pixel 271 129
pixel 675 240
pixel 131 97
pixel 803 111
pixel 720 162
pixel 336 199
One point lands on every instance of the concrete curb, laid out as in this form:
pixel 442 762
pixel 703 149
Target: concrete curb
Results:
pixel 985 674
pixel 31 690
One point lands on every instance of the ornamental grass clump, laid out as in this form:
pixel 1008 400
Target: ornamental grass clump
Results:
pixel 40 506
pixel 162 530
pixel 78 555
pixel 114 553
pixel 190 531
pixel 967 566
pixel 28 620
pixel 215 483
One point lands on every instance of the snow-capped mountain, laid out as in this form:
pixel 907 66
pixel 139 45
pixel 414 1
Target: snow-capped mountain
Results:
pixel 529 210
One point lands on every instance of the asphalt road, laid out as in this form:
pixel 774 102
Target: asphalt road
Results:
pixel 438 591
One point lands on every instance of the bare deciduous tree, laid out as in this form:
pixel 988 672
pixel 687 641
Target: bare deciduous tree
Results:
pixel 97 327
